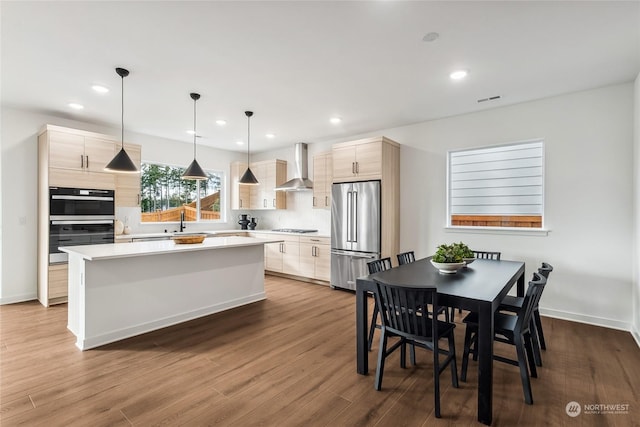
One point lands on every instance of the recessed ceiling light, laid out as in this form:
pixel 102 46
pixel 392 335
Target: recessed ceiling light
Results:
pixel 429 37
pixel 240 142
pixel 270 135
pixel 459 74
pixel 190 132
pixel 75 106
pixel 335 120
pixel 100 89
pixel 221 122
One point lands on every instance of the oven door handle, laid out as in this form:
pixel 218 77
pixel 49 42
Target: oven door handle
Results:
pixel 76 222
pixel 58 197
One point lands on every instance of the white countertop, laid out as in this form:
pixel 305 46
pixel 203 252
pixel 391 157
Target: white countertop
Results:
pixel 117 250
pixel 210 233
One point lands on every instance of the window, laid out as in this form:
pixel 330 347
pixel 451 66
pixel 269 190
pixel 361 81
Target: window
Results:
pixel 499 186
pixel 165 196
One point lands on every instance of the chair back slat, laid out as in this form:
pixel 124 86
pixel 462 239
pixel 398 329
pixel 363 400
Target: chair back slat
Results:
pixel 379 265
pixel 487 255
pixel 545 270
pixel 403 310
pixel 406 257
pixel 531 298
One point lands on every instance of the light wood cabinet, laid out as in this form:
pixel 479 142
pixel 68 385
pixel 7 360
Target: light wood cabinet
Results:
pixel 58 288
pixel 315 257
pixel 239 192
pixel 270 174
pixel 322 180
pixel 128 193
pixel 358 160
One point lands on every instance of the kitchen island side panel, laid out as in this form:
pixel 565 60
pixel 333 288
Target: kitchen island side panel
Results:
pixel 123 297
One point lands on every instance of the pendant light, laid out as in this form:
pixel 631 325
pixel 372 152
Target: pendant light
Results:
pixel 248 177
pixel 194 171
pixel 122 162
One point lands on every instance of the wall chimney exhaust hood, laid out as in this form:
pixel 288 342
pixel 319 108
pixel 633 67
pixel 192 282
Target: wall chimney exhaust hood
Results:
pixel 301 181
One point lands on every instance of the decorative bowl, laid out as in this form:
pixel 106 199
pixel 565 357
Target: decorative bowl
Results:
pixel 447 267
pixel 189 239
pixel 468 261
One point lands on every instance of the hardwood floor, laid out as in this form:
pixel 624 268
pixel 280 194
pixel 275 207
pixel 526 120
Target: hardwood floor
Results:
pixel 289 361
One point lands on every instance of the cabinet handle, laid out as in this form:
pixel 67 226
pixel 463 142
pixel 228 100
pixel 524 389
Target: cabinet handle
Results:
pixel 139 199
pixel 81 161
pixel 326 200
pixel 313 251
pixel 87 161
pixel 274 203
pixel 353 167
pixel 264 203
pixel 357 167
pixel 314 201
pixel 240 202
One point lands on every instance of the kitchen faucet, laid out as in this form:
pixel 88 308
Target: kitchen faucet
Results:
pixel 182 226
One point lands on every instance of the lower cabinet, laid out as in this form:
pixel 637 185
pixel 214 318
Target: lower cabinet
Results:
pixel 54 290
pixel 298 256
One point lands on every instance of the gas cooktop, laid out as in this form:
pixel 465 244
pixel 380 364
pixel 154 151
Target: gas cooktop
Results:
pixel 294 230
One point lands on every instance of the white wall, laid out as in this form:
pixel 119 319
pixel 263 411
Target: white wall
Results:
pixel 636 213
pixel 19 199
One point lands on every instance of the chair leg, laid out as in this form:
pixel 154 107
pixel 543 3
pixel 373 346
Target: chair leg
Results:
pixel 537 357
pixel 530 355
pixel 524 373
pixel 465 353
pixel 454 367
pixel 436 378
pixel 382 354
pixel 412 353
pixel 372 327
pixel 403 353
pixel 536 318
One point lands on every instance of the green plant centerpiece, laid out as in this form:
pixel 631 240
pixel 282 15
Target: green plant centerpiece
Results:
pixel 449 258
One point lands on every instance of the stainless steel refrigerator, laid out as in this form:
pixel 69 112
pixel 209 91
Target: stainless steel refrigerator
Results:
pixel 355 231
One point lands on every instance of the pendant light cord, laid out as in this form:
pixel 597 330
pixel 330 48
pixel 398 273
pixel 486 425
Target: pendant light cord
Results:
pixel 122 112
pixel 194 129
pixel 248 139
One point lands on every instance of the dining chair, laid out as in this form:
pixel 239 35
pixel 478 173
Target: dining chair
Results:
pixel 376 266
pixel 514 304
pixel 487 255
pixel 402 311
pixel 511 329
pixel 406 257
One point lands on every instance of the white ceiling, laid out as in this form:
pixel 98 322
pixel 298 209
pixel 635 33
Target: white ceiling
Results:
pixel 297 63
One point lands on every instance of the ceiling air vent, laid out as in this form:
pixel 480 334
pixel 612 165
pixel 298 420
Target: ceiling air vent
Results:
pixel 493 98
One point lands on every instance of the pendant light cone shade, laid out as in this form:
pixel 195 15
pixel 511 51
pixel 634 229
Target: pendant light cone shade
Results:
pixel 248 177
pixel 194 171
pixel 122 162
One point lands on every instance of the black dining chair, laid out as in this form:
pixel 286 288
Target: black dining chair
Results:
pixel 376 266
pixel 402 311
pixel 406 257
pixel 511 329
pixel 514 304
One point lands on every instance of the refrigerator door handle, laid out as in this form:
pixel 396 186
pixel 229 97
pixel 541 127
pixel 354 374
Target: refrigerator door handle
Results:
pixel 355 216
pixel 354 254
pixel 349 216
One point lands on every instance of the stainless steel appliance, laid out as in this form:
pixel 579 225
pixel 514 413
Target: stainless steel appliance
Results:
pixel 355 231
pixel 295 230
pixel 79 217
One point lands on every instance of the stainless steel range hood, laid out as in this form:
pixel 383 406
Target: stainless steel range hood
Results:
pixel 300 182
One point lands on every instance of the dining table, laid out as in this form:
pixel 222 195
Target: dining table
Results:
pixel 478 287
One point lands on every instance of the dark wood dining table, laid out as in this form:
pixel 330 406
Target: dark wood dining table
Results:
pixel 478 287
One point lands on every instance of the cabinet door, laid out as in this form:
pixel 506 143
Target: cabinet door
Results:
pixel 268 184
pixel 328 181
pixel 58 279
pixel 239 192
pixel 256 199
pixel 307 260
pixel 128 184
pixel 273 257
pixel 319 180
pixel 291 258
pixel 369 160
pixel 66 150
pixel 323 262
pixel 344 163
pixel 99 152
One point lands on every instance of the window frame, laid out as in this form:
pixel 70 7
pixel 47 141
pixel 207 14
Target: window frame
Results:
pixel 223 195
pixel 483 229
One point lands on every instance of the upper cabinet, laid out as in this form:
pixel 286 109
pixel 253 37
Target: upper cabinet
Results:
pixel 322 179
pixel 359 160
pixel 270 174
pixel 128 192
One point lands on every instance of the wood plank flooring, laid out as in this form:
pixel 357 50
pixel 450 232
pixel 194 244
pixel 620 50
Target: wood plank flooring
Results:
pixel 289 361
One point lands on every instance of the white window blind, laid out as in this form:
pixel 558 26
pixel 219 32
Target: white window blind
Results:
pixel 504 180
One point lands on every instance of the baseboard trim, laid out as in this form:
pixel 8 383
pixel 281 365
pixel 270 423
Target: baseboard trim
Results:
pixel 589 320
pixel 635 334
pixel 18 298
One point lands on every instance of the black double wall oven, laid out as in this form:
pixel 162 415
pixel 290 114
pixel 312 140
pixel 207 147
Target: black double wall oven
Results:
pixel 79 216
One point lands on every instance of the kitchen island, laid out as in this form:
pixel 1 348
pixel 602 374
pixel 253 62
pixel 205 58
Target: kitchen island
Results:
pixel 120 290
